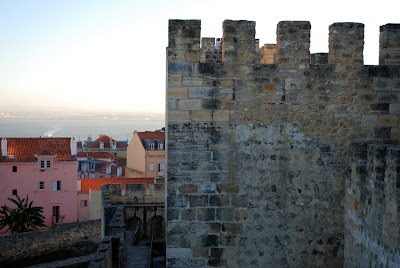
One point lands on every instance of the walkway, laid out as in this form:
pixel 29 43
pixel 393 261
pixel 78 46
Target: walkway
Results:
pixel 135 256
pixel 63 263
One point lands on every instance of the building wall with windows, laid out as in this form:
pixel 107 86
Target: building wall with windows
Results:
pixel 89 194
pixel 48 177
pixel 146 155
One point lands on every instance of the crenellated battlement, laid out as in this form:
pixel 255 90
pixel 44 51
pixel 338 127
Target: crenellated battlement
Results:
pixel 346 43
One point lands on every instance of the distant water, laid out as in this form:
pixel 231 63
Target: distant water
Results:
pixel 117 129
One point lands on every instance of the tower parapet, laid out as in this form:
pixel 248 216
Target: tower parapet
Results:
pixel 389 44
pixel 346 43
pixel 184 40
pixel 238 42
pixel 293 42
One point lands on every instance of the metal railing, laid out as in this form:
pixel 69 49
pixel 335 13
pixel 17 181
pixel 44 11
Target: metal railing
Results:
pixel 151 252
pixel 136 234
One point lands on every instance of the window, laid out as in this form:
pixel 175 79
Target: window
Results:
pixel 151 167
pixel 160 168
pixel 151 146
pixel 160 146
pixel 14 168
pixel 83 203
pixel 14 191
pixel 114 144
pixel 45 164
pixel 101 145
pixel 56 185
pixel 41 185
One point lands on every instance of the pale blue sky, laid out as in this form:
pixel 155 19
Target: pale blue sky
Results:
pixel 110 55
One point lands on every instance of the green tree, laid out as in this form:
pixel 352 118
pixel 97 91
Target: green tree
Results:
pixel 24 218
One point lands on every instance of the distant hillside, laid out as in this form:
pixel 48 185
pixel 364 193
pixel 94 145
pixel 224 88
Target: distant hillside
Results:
pixel 16 111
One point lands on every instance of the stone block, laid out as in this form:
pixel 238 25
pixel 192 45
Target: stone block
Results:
pixel 396 84
pixel 394 108
pixel 382 133
pixel 205 116
pixel 207 188
pixel 173 214
pixel 219 200
pixel 177 92
pixel 207 241
pixel 198 201
pixel 177 228
pixel 174 80
pixel 192 80
pixel 233 228
pixel 379 108
pixel 174 116
pixel 171 104
pixel 179 67
pixel 192 56
pixel 188 215
pixel 226 90
pixel 189 104
pixel 188 188
pixel 213 227
pixel 179 253
pixel 206 214
pixel 201 92
pixel 243 95
pixel 221 116
pixel 292 84
pixel 225 214
pixel 382 84
pixel 177 201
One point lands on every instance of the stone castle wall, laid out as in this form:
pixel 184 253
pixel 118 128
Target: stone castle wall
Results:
pixel 372 218
pixel 258 155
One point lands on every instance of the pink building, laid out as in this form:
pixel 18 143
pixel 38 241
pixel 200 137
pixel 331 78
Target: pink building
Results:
pixel 43 168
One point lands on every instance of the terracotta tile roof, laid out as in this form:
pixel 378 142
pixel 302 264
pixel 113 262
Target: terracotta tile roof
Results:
pixel 95 184
pixel 104 138
pixel 107 144
pixel 79 144
pixel 22 150
pixel 152 135
pixel 98 155
pixel 121 162
pixel 46 152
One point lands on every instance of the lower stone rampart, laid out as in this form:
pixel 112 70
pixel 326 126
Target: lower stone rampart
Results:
pixel 66 236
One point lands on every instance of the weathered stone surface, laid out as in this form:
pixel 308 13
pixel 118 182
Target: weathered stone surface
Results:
pixel 261 161
pixel 66 236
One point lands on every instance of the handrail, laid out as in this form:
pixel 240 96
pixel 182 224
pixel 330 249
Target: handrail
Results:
pixel 136 234
pixel 151 252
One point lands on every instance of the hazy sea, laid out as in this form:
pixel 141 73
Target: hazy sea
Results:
pixel 80 129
